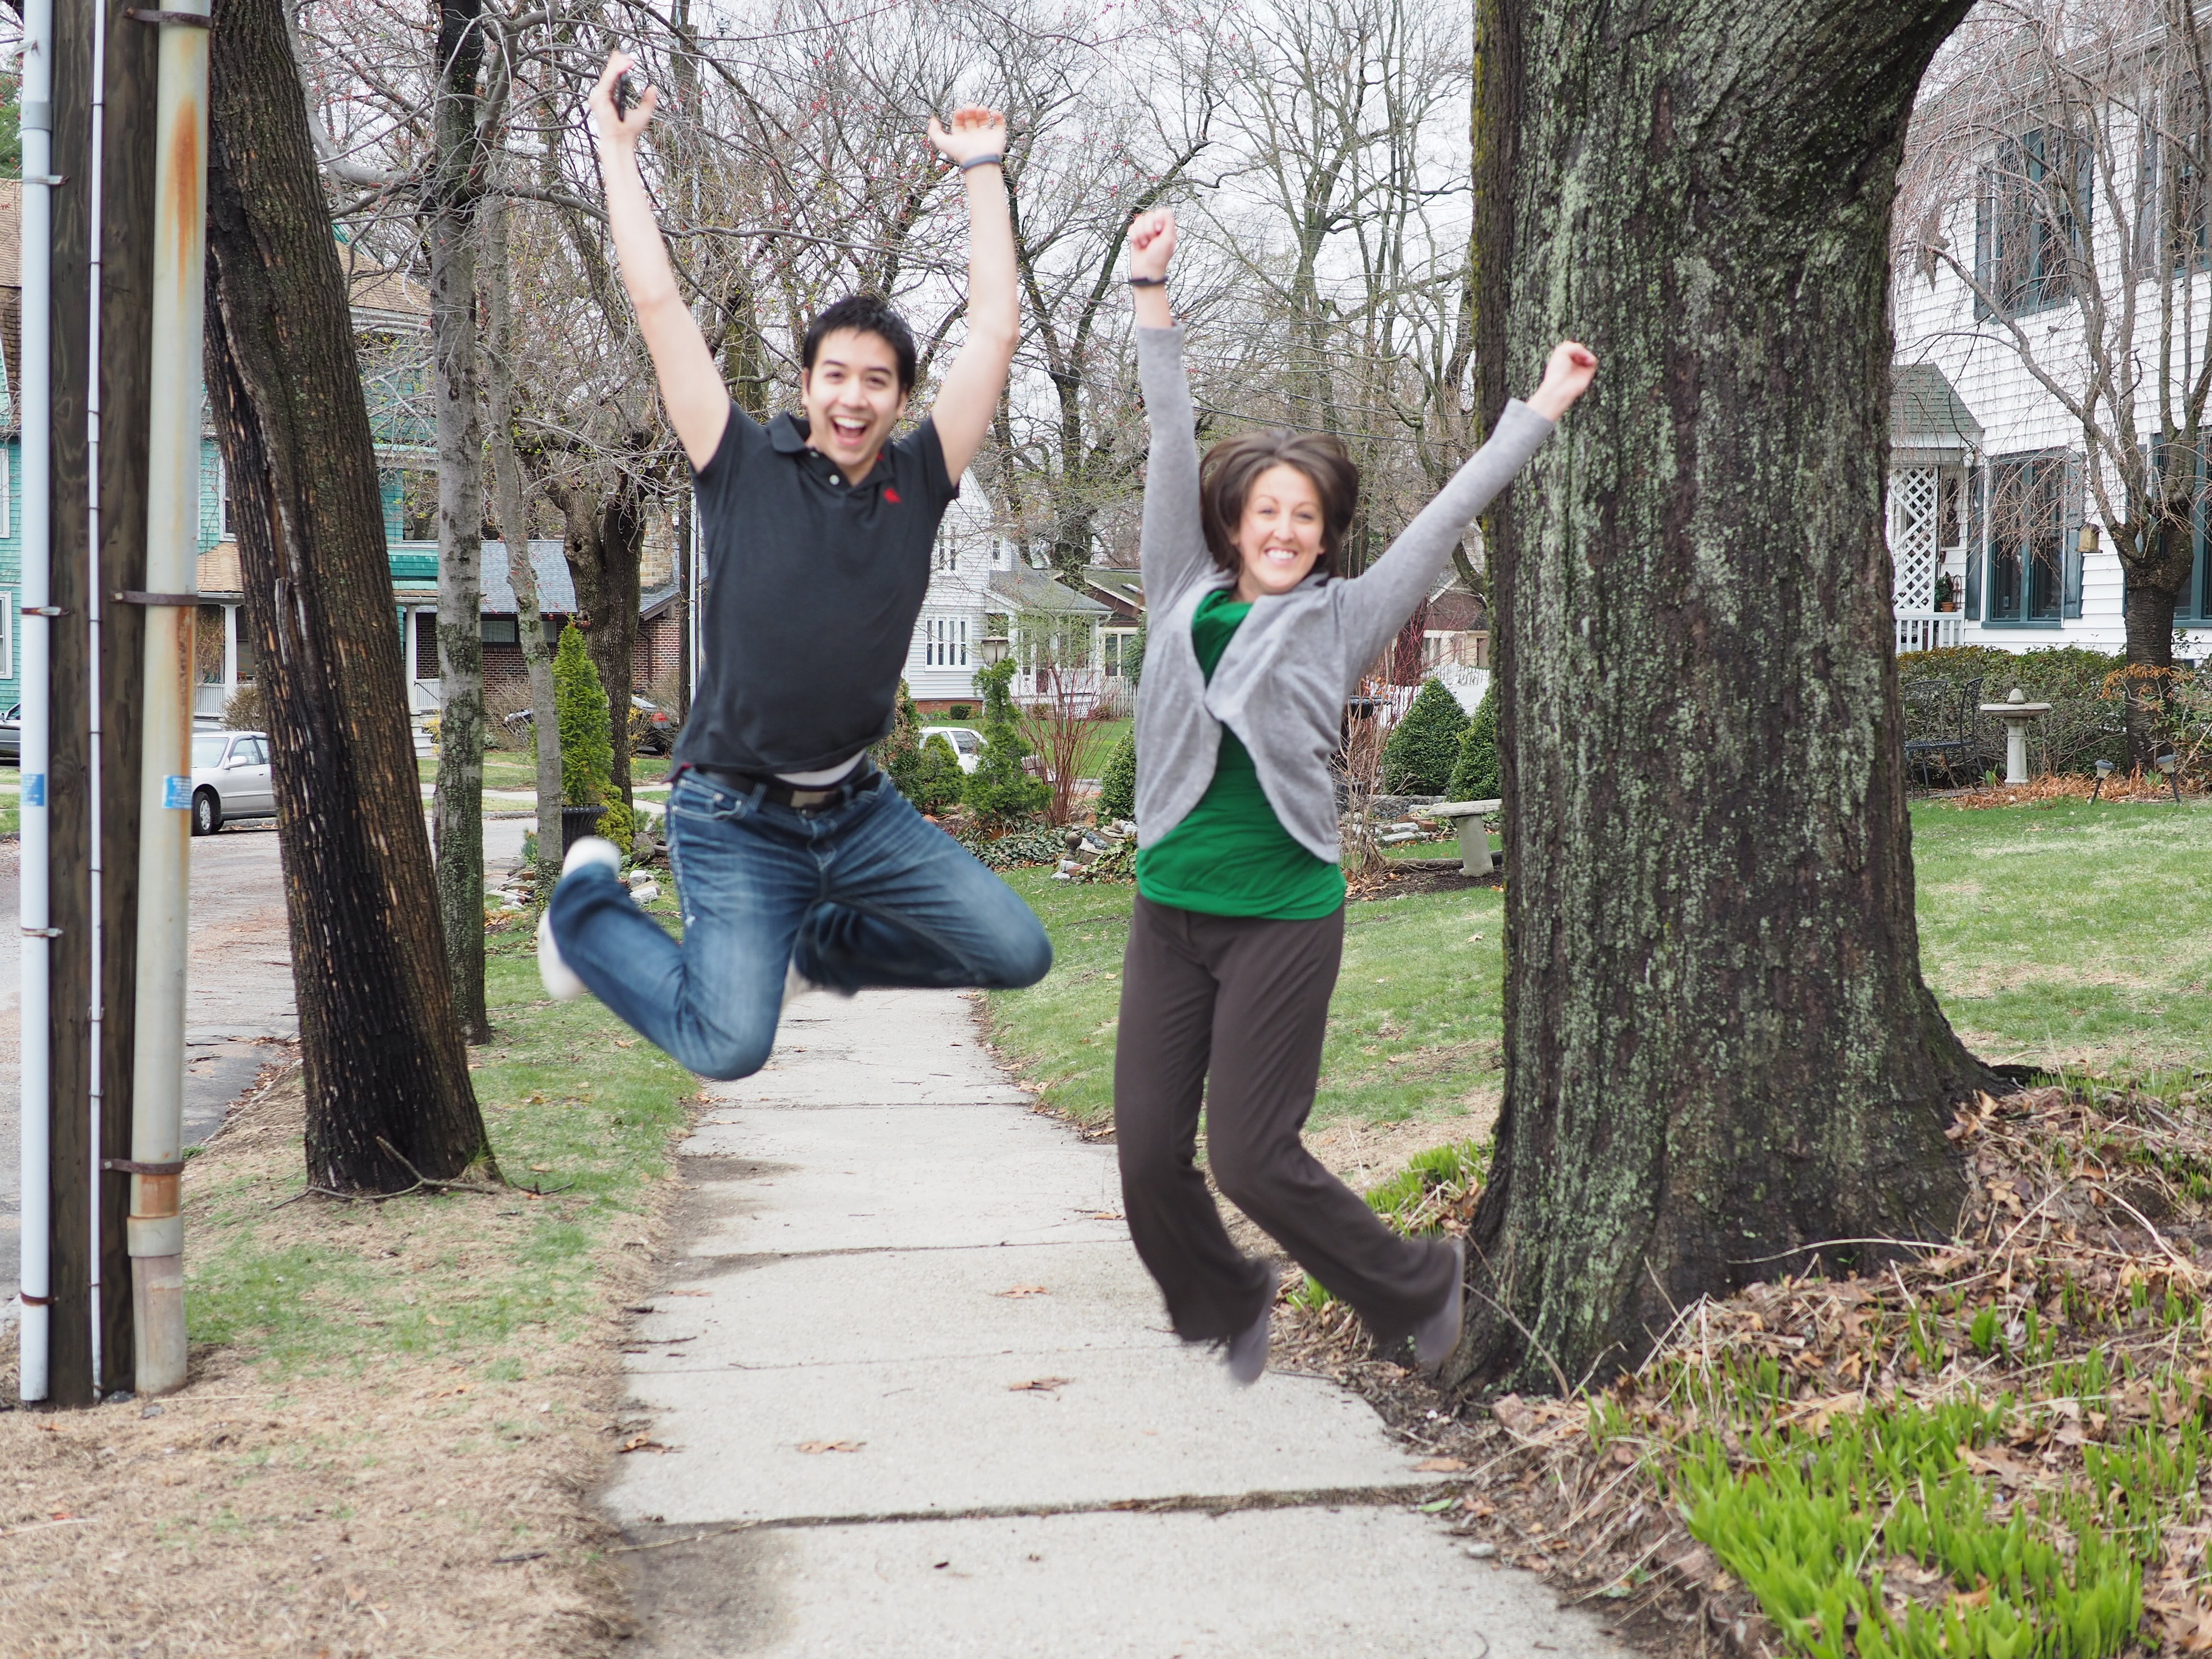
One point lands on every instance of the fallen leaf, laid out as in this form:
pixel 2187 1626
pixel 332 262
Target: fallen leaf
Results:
pixel 625 1042
pixel 433 1319
pixel 811 1447
pixel 644 1443
pixel 1040 1384
pixel 542 1168
pixel 1026 1289
pixel 1439 1466
pixel 1101 1215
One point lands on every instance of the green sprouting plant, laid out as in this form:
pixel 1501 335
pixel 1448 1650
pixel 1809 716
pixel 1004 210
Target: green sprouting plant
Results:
pixel 1985 1334
pixel 1802 1518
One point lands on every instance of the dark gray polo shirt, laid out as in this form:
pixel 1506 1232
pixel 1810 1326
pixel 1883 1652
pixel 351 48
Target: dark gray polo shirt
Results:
pixel 813 589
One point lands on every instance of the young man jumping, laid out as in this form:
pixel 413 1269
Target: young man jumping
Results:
pixel 797 861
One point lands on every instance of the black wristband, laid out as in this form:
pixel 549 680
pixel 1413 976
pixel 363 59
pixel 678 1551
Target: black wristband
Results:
pixel 1147 282
pixel 982 162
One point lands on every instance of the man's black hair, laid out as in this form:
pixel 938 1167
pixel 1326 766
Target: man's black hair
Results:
pixel 864 313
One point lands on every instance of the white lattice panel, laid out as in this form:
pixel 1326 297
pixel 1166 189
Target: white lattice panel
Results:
pixel 1913 553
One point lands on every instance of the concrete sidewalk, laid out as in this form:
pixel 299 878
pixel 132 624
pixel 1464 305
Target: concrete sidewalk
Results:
pixel 919 1398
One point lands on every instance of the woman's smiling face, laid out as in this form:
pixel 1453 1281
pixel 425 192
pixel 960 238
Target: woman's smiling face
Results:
pixel 1279 537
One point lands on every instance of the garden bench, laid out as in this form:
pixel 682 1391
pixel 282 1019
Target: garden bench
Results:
pixel 1939 725
pixel 1475 857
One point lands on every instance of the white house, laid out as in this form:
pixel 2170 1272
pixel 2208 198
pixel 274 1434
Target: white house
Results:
pixel 1989 476
pixel 987 601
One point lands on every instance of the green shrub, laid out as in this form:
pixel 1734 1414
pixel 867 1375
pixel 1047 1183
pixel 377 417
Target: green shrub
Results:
pixel 900 753
pixel 1000 789
pixel 959 712
pixel 2084 724
pixel 1418 758
pixel 1117 788
pixel 937 780
pixel 588 745
pixel 1475 774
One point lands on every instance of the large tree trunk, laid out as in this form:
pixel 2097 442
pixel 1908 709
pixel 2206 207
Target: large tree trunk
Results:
pixel 383 1052
pixel 1719 1054
pixel 605 531
pixel 514 526
pixel 450 212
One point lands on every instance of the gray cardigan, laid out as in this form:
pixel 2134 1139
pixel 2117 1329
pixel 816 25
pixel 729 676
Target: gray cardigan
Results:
pixel 1281 685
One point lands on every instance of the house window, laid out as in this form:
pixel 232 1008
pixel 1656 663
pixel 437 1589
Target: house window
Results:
pixel 7 636
pixel 946 643
pixel 2035 515
pixel 1118 652
pixel 500 631
pixel 945 555
pixel 2032 224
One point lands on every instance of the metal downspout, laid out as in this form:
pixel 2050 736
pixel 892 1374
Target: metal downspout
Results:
pixel 155 1230
pixel 34 416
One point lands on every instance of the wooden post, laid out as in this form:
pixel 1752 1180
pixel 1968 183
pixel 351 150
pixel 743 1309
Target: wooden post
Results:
pixel 91 1104
pixel 71 1379
pixel 126 368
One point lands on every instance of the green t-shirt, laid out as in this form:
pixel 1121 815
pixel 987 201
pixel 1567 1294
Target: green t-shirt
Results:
pixel 1232 856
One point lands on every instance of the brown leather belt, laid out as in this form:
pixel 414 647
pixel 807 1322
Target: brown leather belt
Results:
pixel 790 794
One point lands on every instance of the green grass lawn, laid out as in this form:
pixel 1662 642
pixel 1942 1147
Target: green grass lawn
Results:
pixel 2055 935
pixel 503 769
pixel 2066 934
pixel 574 1104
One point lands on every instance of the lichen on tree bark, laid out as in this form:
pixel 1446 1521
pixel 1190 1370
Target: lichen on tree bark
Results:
pixel 1719 1050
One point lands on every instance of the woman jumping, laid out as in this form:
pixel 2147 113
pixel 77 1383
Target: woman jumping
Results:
pixel 1256 642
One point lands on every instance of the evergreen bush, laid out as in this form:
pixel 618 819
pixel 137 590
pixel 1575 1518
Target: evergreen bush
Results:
pixel 1000 789
pixel 1419 758
pixel 1117 787
pixel 1474 775
pixel 900 753
pixel 588 744
pixel 937 778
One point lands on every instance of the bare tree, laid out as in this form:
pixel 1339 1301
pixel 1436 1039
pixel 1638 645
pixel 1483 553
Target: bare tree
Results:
pixel 2059 175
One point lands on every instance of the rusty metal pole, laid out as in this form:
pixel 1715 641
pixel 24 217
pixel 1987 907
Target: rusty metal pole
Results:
pixel 157 1228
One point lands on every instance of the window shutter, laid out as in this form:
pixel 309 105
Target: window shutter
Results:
pixel 2070 600
pixel 1985 252
pixel 1976 552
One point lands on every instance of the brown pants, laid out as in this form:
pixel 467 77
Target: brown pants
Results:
pixel 1237 1007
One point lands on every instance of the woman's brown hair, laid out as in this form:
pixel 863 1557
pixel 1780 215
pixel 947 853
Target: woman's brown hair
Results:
pixel 1224 481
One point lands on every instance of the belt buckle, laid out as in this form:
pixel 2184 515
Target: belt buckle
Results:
pixel 806 800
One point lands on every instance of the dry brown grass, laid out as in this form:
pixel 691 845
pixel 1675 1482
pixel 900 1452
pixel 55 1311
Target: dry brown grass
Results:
pixel 414 1503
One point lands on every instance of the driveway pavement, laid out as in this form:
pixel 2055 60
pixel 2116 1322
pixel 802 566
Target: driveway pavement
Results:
pixel 918 1397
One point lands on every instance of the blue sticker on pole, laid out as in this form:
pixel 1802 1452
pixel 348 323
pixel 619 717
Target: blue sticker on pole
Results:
pixel 177 792
pixel 34 789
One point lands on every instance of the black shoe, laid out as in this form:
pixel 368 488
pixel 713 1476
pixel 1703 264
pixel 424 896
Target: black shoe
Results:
pixel 1248 1349
pixel 1436 1337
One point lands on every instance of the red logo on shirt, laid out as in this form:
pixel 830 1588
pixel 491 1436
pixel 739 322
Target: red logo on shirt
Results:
pixel 890 495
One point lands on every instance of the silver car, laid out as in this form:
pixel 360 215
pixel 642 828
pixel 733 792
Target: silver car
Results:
pixel 231 779
pixel 11 734
pixel 967 743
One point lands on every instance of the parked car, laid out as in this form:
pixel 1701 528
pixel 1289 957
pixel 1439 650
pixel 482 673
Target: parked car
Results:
pixel 967 743
pixel 652 729
pixel 231 779
pixel 11 734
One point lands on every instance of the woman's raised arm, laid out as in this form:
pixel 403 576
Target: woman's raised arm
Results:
pixel 1375 606
pixel 1173 547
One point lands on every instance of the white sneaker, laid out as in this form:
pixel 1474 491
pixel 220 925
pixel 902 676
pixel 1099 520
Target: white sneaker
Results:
pixel 592 849
pixel 558 978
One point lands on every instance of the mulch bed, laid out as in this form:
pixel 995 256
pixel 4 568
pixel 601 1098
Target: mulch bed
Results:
pixel 2093 1208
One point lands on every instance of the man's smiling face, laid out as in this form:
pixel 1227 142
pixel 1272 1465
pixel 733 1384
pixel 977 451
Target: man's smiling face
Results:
pixel 852 398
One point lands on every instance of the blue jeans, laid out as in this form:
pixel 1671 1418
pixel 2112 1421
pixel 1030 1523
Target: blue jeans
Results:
pixel 867 893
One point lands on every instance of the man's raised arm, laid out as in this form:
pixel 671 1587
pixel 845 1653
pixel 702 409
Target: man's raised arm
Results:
pixel 969 397
pixel 691 384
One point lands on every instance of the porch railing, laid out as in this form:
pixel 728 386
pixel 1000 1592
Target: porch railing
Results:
pixel 1928 630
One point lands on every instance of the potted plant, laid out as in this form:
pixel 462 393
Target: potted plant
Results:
pixel 1947 592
